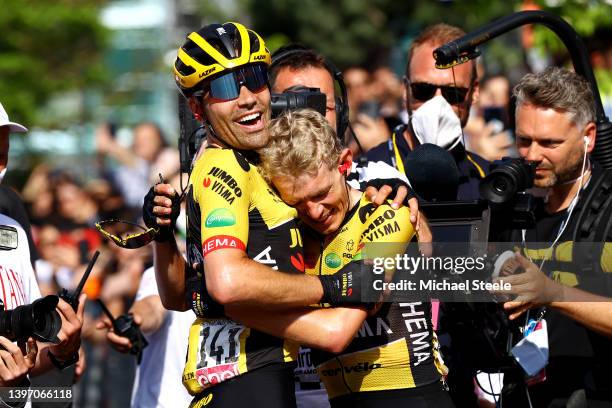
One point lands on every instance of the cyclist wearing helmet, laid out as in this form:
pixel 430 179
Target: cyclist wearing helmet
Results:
pixel 244 249
pixel 243 245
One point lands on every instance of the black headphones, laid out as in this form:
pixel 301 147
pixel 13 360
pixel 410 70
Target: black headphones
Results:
pixel 342 107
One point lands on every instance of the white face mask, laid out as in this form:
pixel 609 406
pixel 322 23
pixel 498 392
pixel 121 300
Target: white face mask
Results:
pixel 435 122
pixel 2 173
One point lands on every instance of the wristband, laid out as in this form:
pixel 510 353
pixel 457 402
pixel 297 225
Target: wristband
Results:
pixel 61 365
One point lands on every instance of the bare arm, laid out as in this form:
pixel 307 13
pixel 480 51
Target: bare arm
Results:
pixel 170 275
pixel 330 329
pixel 168 261
pixel 234 279
pixel 535 289
pixel 105 143
pixel 593 311
pixel 152 313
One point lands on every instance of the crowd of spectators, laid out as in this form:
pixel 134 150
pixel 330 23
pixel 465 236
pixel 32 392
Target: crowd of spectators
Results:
pixel 63 208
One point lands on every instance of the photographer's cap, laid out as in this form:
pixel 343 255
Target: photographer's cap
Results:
pixel 4 121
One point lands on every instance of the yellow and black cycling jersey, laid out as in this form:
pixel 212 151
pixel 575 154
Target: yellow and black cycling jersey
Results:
pixel 394 348
pixel 230 205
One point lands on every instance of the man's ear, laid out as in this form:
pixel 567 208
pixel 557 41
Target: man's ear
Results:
pixel 406 95
pixel 196 108
pixel 475 93
pixel 345 161
pixel 590 134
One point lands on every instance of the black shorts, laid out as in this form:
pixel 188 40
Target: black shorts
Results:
pixel 427 396
pixel 266 387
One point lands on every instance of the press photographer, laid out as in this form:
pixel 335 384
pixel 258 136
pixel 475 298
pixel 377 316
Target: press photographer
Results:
pixel 49 320
pixel 555 127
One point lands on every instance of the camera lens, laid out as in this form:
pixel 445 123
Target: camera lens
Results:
pixel 500 185
pixel 39 320
pixel 506 179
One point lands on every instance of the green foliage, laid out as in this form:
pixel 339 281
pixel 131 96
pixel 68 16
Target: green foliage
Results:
pixel 355 31
pixel 352 32
pixel 47 47
pixel 585 16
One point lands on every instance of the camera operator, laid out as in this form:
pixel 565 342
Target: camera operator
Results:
pixel 19 285
pixel 20 288
pixel 555 128
pixel 438 103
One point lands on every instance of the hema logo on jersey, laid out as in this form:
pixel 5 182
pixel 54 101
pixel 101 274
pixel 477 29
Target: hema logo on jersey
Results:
pixel 361 367
pixel 220 242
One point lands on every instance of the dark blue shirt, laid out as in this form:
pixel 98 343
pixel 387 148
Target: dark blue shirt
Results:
pixel 472 167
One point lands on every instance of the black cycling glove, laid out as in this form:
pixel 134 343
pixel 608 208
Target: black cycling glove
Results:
pixel 395 184
pixel 344 286
pixel 166 233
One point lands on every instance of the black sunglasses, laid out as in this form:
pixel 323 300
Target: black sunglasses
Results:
pixel 227 86
pixel 423 91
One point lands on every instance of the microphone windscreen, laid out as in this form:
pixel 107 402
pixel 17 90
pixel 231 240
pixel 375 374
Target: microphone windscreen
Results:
pixel 433 173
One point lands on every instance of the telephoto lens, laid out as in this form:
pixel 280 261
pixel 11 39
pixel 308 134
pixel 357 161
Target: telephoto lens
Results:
pixel 39 320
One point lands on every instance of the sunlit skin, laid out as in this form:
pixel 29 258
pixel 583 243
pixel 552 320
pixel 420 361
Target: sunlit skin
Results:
pixel 322 199
pixel 422 69
pixel 550 138
pixel 311 77
pixel 224 117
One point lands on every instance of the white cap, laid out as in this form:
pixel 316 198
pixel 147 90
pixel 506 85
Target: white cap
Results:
pixel 4 121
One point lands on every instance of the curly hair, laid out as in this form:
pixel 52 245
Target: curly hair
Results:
pixel 300 142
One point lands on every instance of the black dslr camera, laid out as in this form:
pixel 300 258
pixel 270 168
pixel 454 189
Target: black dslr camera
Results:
pixel 39 320
pixel 298 97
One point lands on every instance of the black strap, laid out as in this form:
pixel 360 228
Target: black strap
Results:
pixel 594 224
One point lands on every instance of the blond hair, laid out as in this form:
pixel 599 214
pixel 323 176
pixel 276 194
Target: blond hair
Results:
pixel 301 141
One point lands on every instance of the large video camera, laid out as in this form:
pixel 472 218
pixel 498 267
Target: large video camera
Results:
pixel 298 97
pixel 482 330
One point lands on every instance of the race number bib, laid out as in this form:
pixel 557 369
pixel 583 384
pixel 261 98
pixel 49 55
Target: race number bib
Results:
pixel 213 354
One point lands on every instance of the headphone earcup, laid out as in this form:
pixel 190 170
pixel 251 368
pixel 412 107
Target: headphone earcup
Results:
pixel 341 119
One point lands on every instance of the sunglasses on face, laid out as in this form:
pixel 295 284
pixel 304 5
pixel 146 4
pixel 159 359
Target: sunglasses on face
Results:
pixel 227 86
pixel 130 241
pixel 423 91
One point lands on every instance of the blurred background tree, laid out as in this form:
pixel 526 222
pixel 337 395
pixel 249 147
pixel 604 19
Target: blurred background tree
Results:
pixel 47 48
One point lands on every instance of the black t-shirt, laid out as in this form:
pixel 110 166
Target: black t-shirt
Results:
pixel 11 205
pixel 569 339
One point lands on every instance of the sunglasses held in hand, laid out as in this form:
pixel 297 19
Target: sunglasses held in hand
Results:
pixel 130 241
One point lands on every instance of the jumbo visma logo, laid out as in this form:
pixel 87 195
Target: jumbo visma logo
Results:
pixel 221 217
pixel 333 261
pixel 203 402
